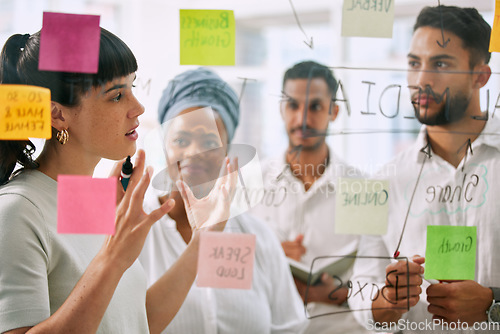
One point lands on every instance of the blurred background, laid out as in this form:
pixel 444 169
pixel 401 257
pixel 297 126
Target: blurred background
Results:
pixel 268 41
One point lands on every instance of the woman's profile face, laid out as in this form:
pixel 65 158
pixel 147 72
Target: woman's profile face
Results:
pixel 104 124
pixel 196 145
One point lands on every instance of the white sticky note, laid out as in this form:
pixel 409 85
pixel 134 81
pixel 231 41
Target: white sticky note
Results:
pixel 363 18
pixel 361 206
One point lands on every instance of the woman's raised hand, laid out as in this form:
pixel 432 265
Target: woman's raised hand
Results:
pixel 212 211
pixel 132 224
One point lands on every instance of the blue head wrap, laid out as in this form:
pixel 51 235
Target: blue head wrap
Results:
pixel 200 88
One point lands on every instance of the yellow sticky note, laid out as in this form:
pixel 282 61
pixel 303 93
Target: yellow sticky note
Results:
pixel 207 37
pixel 368 18
pixel 495 30
pixel 24 112
pixel 361 206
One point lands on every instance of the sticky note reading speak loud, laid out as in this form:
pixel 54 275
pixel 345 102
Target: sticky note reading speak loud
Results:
pixel 86 205
pixel 69 43
pixel 207 37
pixel 226 260
pixel 495 30
pixel 24 112
pixel 362 18
pixel 361 206
pixel 451 252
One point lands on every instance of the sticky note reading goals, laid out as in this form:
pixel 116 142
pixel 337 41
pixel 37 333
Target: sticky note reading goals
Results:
pixel 24 112
pixel 207 37
pixel 361 206
pixel 495 30
pixel 362 18
pixel 450 252
pixel 69 43
pixel 226 260
pixel 86 205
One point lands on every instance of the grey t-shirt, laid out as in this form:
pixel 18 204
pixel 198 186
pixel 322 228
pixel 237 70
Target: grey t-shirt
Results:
pixel 39 267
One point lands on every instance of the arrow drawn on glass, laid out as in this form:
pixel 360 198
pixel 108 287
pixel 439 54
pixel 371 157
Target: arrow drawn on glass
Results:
pixel 445 43
pixel 396 253
pixel 308 41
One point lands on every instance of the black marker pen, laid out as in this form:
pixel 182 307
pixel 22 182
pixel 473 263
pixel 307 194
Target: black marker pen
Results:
pixel 127 169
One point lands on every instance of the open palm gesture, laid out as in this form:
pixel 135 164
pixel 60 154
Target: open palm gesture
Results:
pixel 212 211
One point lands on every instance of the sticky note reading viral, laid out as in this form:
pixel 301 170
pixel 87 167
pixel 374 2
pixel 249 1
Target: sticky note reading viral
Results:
pixel 368 18
pixel 86 205
pixel 207 37
pixel 451 252
pixel 24 112
pixel 226 260
pixel 495 30
pixel 361 206
pixel 69 43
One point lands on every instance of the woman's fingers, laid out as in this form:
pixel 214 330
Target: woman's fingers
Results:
pixel 189 201
pixel 233 178
pixel 223 174
pixel 156 215
pixel 186 193
pixel 117 167
pixel 115 172
pixel 138 193
pixel 137 173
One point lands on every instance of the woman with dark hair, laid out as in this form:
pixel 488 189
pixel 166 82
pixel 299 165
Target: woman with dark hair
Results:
pixel 197 139
pixel 63 283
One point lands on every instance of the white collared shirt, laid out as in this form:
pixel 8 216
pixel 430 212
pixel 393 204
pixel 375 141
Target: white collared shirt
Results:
pixel 463 196
pixel 290 210
pixel 272 305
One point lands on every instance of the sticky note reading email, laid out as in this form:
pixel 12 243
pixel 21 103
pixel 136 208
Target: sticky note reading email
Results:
pixel 495 30
pixel 86 205
pixel 24 112
pixel 367 18
pixel 361 206
pixel 69 43
pixel 450 252
pixel 226 260
pixel 207 37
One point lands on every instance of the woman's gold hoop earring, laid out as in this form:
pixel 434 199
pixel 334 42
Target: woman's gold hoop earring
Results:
pixel 62 136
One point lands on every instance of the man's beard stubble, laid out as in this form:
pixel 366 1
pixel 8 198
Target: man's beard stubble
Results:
pixel 453 110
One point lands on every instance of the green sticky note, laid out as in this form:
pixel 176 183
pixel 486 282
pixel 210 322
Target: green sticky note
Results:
pixel 363 18
pixel 207 37
pixel 451 252
pixel 361 206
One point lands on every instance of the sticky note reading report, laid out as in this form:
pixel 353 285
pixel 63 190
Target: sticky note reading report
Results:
pixel 368 18
pixel 361 206
pixel 226 260
pixel 207 37
pixel 24 112
pixel 450 252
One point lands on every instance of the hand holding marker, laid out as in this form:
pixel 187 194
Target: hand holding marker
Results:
pixel 127 169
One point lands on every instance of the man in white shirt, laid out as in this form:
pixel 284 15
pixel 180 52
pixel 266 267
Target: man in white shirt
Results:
pixel 299 198
pixel 446 178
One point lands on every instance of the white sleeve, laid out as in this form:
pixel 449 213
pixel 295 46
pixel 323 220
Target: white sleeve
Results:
pixel 24 296
pixel 368 272
pixel 287 309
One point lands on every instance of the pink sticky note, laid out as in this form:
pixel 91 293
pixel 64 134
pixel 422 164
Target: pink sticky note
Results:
pixel 69 43
pixel 226 260
pixel 86 205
